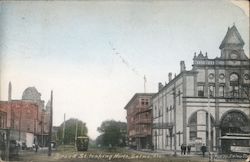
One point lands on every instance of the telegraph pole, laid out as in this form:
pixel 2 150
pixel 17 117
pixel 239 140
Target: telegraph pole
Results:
pixel 63 135
pixel 76 132
pixel 174 105
pixel 209 127
pixel 51 123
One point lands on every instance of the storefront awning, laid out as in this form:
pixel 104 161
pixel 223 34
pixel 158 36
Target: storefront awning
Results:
pixel 234 137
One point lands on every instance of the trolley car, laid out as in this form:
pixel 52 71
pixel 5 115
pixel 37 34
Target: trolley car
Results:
pixel 82 143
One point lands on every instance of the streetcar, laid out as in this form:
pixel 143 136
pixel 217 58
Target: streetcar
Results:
pixel 82 143
pixel 237 143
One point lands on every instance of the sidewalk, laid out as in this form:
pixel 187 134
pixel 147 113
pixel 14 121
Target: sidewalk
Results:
pixel 192 156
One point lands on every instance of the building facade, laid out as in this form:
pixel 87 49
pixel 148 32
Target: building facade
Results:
pixel 219 87
pixel 27 118
pixel 139 119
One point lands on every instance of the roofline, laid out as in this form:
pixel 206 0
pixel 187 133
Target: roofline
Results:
pixel 174 80
pixel 135 96
pixel 222 45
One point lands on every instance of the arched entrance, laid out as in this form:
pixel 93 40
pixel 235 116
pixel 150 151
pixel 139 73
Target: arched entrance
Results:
pixel 198 129
pixel 232 122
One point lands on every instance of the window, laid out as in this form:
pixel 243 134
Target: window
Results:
pixel 167 140
pixel 211 90
pixel 146 102
pixel 179 96
pixel 155 112
pixel 142 102
pixel 170 113
pixel 221 91
pixel 2 119
pixel 234 85
pixel 193 126
pixel 201 90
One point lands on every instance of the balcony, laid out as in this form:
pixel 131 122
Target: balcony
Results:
pixel 143 133
pixel 139 110
pixel 163 125
pixel 143 121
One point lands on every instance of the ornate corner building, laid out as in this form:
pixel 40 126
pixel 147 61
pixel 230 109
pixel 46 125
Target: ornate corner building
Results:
pixel 219 87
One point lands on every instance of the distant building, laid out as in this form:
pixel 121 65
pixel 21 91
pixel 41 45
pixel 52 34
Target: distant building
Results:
pixel 27 118
pixel 139 120
pixel 219 86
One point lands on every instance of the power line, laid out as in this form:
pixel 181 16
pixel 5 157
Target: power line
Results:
pixel 128 65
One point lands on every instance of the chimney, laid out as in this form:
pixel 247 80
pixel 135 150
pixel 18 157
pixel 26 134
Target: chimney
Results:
pixel 9 91
pixel 169 77
pixel 160 86
pixel 183 67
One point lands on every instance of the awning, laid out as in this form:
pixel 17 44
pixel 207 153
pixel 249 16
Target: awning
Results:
pixel 234 137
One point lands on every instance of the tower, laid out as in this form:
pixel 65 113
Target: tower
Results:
pixel 232 45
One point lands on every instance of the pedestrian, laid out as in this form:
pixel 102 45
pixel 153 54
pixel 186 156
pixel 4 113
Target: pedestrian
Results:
pixel 36 146
pixel 184 149
pixel 110 147
pixel 203 150
pixel 189 149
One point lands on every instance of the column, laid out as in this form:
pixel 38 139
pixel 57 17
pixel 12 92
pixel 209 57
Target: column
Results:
pixel 187 134
pixel 214 139
pixel 201 125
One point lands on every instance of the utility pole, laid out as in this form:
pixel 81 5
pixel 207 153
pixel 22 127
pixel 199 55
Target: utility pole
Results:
pixel 174 105
pixel 51 122
pixel 76 132
pixel 63 135
pixel 20 121
pixel 209 127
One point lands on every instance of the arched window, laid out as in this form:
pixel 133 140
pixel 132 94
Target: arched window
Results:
pixel 211 90
pixel 221 91
pixel 193 126
pixel 234 85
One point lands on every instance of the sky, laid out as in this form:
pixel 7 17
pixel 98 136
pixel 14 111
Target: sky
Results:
pixel 94 54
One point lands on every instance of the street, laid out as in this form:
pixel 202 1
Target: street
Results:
pixel 67 154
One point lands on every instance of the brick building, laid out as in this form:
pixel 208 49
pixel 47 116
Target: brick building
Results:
pixel 28 118
pixel 139 120
pixel 219 87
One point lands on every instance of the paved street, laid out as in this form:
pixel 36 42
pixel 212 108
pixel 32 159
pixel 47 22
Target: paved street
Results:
pixel 67 154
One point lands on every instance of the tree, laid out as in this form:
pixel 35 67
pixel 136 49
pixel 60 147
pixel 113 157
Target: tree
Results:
pixel 70 130
pixel 112 132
